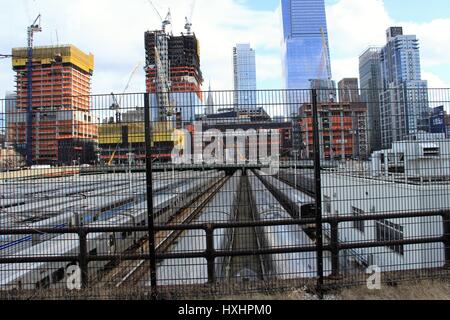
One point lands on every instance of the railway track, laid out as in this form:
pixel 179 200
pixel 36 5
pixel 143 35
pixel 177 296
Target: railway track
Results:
pixel 130 273
pixel 246 267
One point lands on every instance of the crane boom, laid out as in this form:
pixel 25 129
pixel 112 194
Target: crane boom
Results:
pixel 188 24
pixel 324 62
pixel 35 27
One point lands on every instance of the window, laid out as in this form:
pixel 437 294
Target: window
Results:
pixel 93 252
pixel 388 231
pixel 358 224
pixel 431 152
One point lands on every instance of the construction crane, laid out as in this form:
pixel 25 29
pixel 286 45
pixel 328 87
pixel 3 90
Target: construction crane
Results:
pixel 325 61
pixel 165 22
pixel 162 84
pixel 188 24
pixel 116 106
pixel 32 29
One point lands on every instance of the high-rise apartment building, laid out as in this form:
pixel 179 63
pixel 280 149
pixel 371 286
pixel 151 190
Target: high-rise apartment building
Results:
pixel 63 127
pixel 371 85
pixel 404 100
pixel 305 46
pixel 244 76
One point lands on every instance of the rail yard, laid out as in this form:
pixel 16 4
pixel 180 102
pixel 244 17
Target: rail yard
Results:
pixel 179 198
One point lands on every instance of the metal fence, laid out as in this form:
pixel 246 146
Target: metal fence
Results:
pixel 195 194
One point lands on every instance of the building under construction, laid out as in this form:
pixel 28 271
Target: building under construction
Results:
pixel 342 130
pixel 178 76
pixel 63 128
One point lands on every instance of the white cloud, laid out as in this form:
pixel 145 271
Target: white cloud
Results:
pixel 434 40
pixel 114 31
pixel 345 68
pixel 267 67
pixel 435 81
pixel 355 25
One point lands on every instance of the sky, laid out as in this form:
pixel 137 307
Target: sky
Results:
pixel 113 30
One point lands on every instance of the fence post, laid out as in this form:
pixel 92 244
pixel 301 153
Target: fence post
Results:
pixel 210 253
pixel 446 222
pixel 149 188
pixel 83 258
pixel 335 268
pixel 318 195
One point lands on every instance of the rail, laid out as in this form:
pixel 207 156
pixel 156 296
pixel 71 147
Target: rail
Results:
pixel 210 254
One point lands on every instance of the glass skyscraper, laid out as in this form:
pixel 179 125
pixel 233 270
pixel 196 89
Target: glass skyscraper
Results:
pixel 370 81
pixel 244 71
pixel 304 55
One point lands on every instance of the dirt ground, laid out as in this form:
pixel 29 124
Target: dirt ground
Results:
pixel 421 290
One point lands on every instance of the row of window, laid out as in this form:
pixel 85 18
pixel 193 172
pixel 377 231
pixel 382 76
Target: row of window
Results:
pixel 385 230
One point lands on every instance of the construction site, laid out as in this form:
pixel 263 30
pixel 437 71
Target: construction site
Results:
pixel 62 123
pixel 278 195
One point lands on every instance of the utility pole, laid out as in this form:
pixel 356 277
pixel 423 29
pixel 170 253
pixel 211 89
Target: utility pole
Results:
pixel 35 27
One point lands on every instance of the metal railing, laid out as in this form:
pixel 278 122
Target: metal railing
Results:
pixel 331 135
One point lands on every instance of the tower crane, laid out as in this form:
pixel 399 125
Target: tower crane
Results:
pixel 162 67
pixel 165 22
pixel 188 24
pixel 116 106
pixel 32 29
pixel 325 62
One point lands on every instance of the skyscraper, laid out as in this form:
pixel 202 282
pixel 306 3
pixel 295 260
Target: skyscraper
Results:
pixel 244 72
pixel 64 128
pixel 404 100
pixel 305 43
pixel 370 78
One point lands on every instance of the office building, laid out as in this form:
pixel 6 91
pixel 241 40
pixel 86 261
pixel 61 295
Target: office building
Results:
pixel 371 85
pixel 244 76
pixel 305 53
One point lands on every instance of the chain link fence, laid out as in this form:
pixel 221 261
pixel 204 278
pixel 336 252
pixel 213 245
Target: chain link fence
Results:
pixel 201 194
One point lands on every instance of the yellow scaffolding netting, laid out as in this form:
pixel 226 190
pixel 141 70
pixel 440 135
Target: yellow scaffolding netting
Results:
pixel 46 55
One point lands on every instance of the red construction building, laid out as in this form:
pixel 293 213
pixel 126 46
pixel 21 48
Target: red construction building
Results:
pixel 64 130
pixel 342 130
